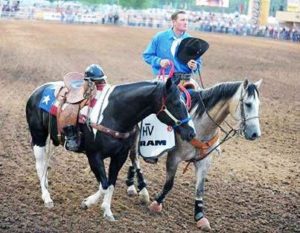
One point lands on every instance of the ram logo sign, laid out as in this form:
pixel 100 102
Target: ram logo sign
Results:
pixel 155 137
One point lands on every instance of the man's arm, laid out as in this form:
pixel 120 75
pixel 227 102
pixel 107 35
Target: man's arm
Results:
pixel 150 55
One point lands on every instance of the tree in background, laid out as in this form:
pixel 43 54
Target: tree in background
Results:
pixel 138 4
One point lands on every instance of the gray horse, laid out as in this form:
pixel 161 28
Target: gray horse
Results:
pixel 209 109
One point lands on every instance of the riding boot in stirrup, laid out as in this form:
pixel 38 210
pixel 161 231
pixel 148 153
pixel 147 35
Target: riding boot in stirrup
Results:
pixel 71 137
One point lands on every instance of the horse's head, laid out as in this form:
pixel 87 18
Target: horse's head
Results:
pixel 246 111
pixel 173 112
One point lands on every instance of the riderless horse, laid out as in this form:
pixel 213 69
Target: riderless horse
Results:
pixel 122 108
pixel 209 109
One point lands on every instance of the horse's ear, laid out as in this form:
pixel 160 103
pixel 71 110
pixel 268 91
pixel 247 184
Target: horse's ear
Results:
pixel 169 84
pixel 258 83
pixel 245 84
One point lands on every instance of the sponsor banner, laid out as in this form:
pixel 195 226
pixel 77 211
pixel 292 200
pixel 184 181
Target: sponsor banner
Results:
pixel 213 3
pixel 155 137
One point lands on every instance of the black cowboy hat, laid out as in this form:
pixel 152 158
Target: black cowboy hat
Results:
pixel 191 48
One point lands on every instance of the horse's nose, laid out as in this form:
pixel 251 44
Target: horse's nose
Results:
pixel 191 136
pixel 254 136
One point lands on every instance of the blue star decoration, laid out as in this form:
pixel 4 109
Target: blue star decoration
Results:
pixel 47 99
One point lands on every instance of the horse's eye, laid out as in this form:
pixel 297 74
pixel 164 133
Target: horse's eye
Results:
pixel 248 105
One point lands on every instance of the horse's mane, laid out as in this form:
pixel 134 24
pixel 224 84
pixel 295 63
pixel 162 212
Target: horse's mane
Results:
pixel 133 86
pixel 251 89
pixel 211 96
pixel 220 92
pixel 143 86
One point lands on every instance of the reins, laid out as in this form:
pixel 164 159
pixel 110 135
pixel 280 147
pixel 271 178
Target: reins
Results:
pixel 228 134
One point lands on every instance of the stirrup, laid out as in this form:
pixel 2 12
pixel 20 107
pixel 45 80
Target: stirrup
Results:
pixel 71 138
pixel 71 144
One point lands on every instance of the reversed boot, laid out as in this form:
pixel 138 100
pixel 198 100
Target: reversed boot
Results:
pixel 71 137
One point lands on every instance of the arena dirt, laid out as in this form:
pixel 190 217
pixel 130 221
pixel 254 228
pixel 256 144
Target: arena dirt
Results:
pixel 251 187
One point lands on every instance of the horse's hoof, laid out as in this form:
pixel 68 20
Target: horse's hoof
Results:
pixel 203 224
pixel 110 218
pixel 144 196
pixel 49 204
pixel 131 191
pixel 83 206
pixel 155 207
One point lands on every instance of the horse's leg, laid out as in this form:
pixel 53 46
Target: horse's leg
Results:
pixel 201 172
pixel 171 167
pixel 142 186
pixel 42 171
pixel 93 199
pixel 98 168
pixel 115 165
pixel 131 190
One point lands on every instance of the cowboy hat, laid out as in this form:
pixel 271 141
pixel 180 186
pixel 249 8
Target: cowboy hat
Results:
pixel 191 48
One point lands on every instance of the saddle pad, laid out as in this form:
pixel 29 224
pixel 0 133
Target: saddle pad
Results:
pixel 48 100
pixel 155 137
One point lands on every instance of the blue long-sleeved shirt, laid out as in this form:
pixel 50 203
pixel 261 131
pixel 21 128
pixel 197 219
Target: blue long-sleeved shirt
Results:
pixel 164 45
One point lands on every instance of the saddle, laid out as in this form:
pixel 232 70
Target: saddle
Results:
pixel 72 97
pixel 76 87
pixel 190 84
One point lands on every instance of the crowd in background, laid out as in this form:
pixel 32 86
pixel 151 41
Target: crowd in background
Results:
pixel 234 23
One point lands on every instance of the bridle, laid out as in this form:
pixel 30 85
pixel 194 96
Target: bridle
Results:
pixel 243 119
pixel 164 109
pixel 205 147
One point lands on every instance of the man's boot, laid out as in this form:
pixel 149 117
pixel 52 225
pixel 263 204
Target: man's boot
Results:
pixel 71 138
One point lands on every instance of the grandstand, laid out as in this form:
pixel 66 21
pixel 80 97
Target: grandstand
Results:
pixel 256 23
pixel 291 17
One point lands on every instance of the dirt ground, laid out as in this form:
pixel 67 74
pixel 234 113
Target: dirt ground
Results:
pixel 252 187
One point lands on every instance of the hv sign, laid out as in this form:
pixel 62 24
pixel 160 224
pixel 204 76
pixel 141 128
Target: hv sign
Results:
pixel 155 137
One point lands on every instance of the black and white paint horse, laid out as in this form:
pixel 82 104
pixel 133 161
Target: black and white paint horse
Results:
pixel 209 109
pixel 121 110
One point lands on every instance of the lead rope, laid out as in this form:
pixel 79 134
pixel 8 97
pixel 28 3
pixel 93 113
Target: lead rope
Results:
pixel 226 137
pixel 205 109
pixel 200 78
pixel 162 72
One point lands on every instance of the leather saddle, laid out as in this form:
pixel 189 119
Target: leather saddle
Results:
pixel 76 86
pixel 73 96
pixel 190 84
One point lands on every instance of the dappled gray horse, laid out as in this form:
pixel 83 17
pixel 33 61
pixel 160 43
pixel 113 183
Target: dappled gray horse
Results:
pixel 209 109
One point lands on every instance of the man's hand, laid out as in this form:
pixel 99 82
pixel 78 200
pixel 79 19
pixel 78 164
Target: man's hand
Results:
pixel 164 63
pixel 192 64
